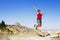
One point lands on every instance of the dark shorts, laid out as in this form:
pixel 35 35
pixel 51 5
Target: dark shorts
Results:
pixel 39 21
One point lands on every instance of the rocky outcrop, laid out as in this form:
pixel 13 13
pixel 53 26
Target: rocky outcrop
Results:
pixel 23 30
pixel 19 29
pixel 55 35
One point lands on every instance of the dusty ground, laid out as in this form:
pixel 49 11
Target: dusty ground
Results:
pixel 30 37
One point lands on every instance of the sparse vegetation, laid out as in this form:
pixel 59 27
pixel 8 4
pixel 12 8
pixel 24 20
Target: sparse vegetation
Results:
pixel 2 26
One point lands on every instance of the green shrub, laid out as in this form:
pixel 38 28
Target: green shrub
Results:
pixel 2 25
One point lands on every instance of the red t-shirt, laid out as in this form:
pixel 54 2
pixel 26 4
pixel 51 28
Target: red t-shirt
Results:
pixel 39 16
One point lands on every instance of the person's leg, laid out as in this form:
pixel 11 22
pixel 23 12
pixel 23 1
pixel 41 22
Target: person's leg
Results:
pixel 37 24
pixel 36 28
pixel 40 23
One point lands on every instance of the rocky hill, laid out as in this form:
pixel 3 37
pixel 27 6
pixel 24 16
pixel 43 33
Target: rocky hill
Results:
pixel 23 30
pixel 18 29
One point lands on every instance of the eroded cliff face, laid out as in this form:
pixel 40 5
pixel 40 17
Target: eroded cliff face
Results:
pixel 18 29
pixel 23 30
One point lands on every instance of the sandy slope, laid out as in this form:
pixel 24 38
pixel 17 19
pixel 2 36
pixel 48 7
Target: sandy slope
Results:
pixel 30 37
pixel 19 32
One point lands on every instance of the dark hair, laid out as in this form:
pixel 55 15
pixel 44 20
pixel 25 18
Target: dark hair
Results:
pixel 38 10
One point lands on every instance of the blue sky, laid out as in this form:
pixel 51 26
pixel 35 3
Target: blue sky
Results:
pixel 22 11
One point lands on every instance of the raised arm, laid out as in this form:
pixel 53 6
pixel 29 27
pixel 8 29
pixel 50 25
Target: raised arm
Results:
pixel 35 8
